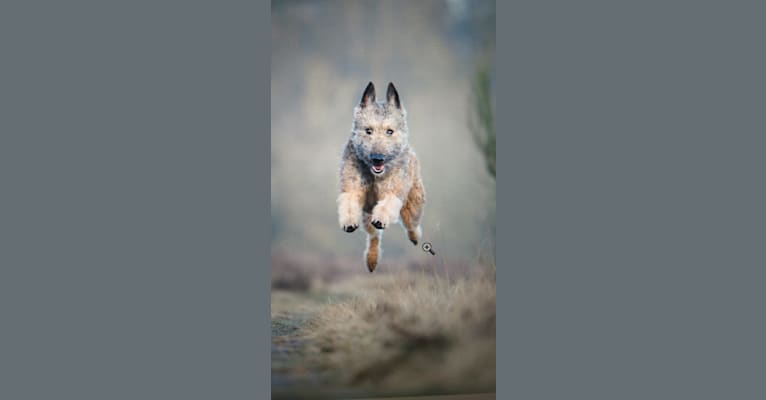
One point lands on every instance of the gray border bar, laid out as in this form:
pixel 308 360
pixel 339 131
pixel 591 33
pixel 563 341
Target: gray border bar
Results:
pixel 631 171
pixel 135 208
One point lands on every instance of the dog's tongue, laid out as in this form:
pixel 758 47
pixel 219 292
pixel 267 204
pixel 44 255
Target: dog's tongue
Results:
pixel 378 168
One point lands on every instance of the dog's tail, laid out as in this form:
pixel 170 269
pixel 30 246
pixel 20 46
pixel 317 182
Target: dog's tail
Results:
pixel 372 254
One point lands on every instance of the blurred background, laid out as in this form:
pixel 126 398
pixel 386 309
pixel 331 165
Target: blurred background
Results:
pixel 420 324
pixel 439 54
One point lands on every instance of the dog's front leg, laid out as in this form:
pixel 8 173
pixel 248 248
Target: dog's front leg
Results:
pixel 350 209
pixel 386 212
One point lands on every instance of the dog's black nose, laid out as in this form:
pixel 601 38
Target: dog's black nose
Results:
pixel 377 158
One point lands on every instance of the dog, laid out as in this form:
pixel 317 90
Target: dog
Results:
pixel 380 182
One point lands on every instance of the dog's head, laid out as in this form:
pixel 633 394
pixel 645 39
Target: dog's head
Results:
pixel 380 132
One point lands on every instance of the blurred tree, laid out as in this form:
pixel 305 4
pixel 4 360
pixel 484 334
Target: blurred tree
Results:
pixel 482 121
pixel 482 128
pixel 482 115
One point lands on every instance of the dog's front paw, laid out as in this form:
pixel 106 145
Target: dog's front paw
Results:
pixel 379 222
pixel 349 224
pixel 386 212
pixel 350 228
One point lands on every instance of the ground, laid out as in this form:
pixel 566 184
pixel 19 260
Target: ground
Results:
pixel 413 330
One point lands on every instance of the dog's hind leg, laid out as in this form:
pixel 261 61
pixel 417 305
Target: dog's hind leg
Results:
pixel 372 253
pixel 412 212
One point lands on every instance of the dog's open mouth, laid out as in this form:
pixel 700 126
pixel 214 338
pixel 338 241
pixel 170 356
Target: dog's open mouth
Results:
pixel 378 167
pixel 377 163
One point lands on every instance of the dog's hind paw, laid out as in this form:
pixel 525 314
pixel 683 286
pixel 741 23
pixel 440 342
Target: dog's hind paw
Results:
pixel 414 235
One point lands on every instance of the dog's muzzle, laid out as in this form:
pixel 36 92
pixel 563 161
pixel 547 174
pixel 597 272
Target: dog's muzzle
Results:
pixel 378 163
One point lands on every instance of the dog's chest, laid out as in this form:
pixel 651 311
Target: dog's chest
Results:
pixel 377 187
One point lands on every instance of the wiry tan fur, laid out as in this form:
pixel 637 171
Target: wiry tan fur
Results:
pixel 379 199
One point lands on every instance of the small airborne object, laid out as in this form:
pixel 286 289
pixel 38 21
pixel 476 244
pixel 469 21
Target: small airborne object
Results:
pixel 428 248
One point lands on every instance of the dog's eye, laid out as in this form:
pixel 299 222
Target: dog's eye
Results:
pixel 390 132
pixel 369 131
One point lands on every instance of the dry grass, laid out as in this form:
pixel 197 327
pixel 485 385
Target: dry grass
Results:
pixel 308 271
pixel 412 331
pixel 413 327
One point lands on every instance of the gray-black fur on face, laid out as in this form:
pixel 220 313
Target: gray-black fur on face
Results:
pixel 380 133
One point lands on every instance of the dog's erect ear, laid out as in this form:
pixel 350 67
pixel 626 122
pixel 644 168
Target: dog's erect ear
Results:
pixel 369 95
pixel 392 96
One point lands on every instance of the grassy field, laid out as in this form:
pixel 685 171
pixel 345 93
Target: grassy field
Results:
pixel 338 331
